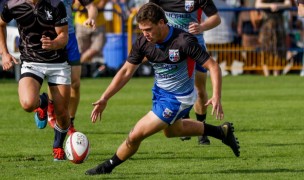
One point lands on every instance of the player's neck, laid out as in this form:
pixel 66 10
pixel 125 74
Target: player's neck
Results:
pixel 165 32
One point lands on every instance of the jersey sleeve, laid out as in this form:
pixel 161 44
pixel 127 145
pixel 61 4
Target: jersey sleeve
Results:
pixel 136 55
pixel 61 18
pixel 194 50
pixel 6 16
pixel 209 8
pixel 85 2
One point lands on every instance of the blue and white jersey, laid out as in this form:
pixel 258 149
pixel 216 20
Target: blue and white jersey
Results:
pixel 180 13
pixel 173 60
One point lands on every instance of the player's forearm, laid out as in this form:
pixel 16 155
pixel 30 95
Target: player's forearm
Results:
pixel 211 22
pixel 216 79
pixel 62 38
pixel 3 46
pixel 119 81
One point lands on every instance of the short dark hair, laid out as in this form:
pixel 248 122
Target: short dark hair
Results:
pixel 151 12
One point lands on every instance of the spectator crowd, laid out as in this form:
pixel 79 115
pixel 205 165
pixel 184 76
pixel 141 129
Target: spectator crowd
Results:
pixel 270 27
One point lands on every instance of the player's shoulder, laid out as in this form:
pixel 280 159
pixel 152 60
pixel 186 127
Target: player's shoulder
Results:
pixel 13 3
pixel 183 36
pixel 141 40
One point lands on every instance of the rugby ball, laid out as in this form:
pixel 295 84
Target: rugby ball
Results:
pixel 77 148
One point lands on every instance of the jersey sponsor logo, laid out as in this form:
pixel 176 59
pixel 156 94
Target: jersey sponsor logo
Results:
pixel 64 20
pixel 167 113
pixel 189 5
pixel 175 15
pixel 173 55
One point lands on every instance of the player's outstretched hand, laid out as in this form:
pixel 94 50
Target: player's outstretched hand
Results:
pixel 216 107
pixel 99 107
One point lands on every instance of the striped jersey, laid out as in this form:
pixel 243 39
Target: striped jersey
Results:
pixel 173 60
pixel 180 13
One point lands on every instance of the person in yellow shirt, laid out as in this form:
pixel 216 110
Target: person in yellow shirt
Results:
pixel 90 40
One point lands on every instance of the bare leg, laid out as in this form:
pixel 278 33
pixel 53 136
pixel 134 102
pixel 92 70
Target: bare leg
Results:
pixel 28 90
pixel 200 85
pixel 199 106
pixel 147 126
pixel 75 90
pixel 88 55
pixel 61 97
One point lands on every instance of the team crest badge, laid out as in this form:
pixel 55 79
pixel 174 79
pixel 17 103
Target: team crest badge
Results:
pixel 173 55
pixel 167 113
pixel 189 5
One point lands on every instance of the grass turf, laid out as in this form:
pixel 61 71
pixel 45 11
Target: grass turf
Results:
pixel 267 114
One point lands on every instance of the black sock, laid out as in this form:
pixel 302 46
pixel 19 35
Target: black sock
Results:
pixel 60 135
pixel 43 101
pixel 72 120
pixel 213 131
pixel 110 164
pixel 186 116
pixel 201 117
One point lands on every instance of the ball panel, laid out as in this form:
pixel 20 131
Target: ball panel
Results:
pixel 68 150
pixel 77 148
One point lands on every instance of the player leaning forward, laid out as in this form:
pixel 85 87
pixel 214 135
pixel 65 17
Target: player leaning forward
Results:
pixel 43 33
pixel 173 54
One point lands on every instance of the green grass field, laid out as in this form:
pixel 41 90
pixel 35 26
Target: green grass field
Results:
pixel 267 114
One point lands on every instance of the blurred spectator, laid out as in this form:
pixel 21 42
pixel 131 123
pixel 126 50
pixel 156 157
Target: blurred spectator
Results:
pixel 224 33
pixel 222 36
pixel 249 33
pixel 90 41
pixel 295 31
pixel 234 3
pixel 136 4
pixel 301 14
pixel 272 36
pixel 301 8
pixel 246 29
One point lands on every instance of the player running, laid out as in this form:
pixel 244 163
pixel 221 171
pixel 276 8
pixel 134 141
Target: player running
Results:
pixel 172 53
pixel 187 15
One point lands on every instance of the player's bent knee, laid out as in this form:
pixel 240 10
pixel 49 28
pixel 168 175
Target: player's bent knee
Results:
pixel 28 107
